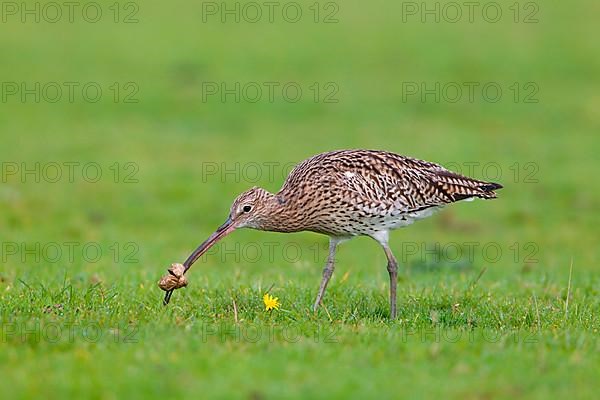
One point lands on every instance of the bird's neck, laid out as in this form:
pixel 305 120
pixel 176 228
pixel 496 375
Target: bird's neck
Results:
pixel 280 215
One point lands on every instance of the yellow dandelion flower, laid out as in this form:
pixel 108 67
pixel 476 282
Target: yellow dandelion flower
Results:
pixel 271 302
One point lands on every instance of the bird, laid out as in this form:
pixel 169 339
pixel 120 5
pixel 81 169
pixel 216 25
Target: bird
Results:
pixel 344 194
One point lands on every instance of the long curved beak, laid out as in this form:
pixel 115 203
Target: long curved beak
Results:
pixel 222 231
pixel 219 234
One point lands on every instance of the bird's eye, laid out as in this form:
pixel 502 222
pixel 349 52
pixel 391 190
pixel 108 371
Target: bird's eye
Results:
pixel 247 208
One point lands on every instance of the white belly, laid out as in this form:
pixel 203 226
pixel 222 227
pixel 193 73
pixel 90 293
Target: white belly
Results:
pixel 385 222
pixel 401 220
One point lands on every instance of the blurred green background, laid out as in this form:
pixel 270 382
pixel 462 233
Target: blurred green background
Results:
pixel 166 149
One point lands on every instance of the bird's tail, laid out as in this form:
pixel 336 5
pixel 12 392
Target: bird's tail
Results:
pixel 488 190
pixel 458 187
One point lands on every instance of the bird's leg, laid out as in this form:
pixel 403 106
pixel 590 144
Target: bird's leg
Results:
pixel 327 272
pixel 392 268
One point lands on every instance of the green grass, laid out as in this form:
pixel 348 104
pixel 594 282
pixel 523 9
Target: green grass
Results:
pixel 471 325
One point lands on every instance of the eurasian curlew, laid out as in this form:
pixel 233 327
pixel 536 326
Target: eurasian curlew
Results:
pixel 344 194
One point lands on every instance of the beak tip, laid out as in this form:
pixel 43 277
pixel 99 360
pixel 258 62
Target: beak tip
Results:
pixel 167 297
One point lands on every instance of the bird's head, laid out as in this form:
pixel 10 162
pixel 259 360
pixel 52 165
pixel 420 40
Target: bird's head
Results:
pixel 247 211
pixel 250 208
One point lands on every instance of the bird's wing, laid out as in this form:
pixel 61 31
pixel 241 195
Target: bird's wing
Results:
pixel 384 179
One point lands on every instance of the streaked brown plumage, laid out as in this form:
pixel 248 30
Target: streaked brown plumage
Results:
pixel 348 193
